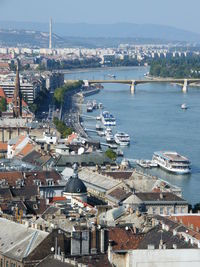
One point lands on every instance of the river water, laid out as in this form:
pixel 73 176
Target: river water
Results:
pixel 154 120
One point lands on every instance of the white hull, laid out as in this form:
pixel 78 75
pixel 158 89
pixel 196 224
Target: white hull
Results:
pixel 122 139
pixel 121 143
pixel 177 171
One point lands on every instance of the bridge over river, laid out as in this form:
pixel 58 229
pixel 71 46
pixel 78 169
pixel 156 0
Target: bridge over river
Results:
pixel 182 82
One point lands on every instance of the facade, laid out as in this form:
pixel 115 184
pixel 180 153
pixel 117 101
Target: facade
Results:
pixel 53 80
pixel 157 203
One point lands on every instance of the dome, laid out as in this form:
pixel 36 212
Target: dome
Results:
pixel 75 185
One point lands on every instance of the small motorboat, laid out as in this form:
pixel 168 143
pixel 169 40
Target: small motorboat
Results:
pixel 184 106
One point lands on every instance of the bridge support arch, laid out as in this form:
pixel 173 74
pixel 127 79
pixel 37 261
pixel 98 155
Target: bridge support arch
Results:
pixel 133 87
pixel 185 86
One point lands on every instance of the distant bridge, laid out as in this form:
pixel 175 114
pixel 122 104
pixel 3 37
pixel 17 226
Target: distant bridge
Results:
pixel 183 82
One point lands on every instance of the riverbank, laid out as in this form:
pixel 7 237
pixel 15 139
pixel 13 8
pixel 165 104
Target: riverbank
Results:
pixel 100 69
pixel 157 78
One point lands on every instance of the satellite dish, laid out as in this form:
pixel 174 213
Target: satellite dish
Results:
pixel 81 151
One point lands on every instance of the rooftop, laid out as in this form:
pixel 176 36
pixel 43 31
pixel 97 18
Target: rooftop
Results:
pixel 17 241
pixel 96 180
pixel 161 197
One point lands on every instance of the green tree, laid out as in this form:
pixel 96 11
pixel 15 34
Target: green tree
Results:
pixel 62 128
pixel 196 208
pixel 111 154
pixel 3 104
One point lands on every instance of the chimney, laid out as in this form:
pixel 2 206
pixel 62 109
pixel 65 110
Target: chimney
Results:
pixel 161 195
pixel 174 232
pixel 102 241
pixel 94 241
pixel 110 251
pixel 135 230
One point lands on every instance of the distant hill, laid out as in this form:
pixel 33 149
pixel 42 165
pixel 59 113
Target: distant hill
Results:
pixel 90 35
pixel 119 30
pixel 27 38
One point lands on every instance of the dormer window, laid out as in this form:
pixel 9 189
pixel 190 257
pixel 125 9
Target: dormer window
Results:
pixel 37 182
pixel 3 183
pixel 50 182
pixel 35 206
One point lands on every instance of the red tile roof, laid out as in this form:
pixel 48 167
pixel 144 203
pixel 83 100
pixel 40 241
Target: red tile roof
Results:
pixel 10 100
pixel 191 221
pixel 124 239
pixel 43 176
pixel 3 146
pixel 54 199
pixel 2 94
pixel 26 150
pixel 71 137
pixel 21 139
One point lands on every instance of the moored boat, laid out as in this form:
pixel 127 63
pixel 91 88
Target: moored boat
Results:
pixel 108 119
pixel 184 106
pixel 122 139
pixel 172 162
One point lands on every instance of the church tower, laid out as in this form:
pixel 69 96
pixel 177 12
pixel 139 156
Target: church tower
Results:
pixel 17 98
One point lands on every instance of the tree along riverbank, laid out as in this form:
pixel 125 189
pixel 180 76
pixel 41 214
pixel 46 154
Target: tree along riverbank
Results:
pixel 176 67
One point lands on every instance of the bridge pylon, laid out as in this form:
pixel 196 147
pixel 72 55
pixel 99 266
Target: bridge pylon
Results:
pixel 133 87
pixel 185 86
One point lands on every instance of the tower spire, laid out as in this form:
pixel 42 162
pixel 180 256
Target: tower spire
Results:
pixel 17 99
pixel 50 34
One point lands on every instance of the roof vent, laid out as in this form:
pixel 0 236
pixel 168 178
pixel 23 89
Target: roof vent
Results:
pixel 174 246
pixel 174 232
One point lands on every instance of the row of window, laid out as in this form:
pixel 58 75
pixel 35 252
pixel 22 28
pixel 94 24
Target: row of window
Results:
pixel 167 210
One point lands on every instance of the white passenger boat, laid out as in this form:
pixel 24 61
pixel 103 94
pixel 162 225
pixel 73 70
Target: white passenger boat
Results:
pixel 108 119
pixel 172 162
pixel 122 139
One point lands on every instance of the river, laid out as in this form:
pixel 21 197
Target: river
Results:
pixel 154 120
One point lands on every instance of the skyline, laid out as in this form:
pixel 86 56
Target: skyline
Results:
pixel 178 14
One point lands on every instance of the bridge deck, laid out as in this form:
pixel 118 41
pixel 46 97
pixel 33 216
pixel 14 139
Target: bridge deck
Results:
pixel 147 81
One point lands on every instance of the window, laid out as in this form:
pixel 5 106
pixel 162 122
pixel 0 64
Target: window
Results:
pixel 176 210
pixel 168 210
pixel 153 210
pixel 182 210
pixel 161 210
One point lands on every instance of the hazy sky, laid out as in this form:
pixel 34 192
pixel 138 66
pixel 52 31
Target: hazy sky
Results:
pixel 180 13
